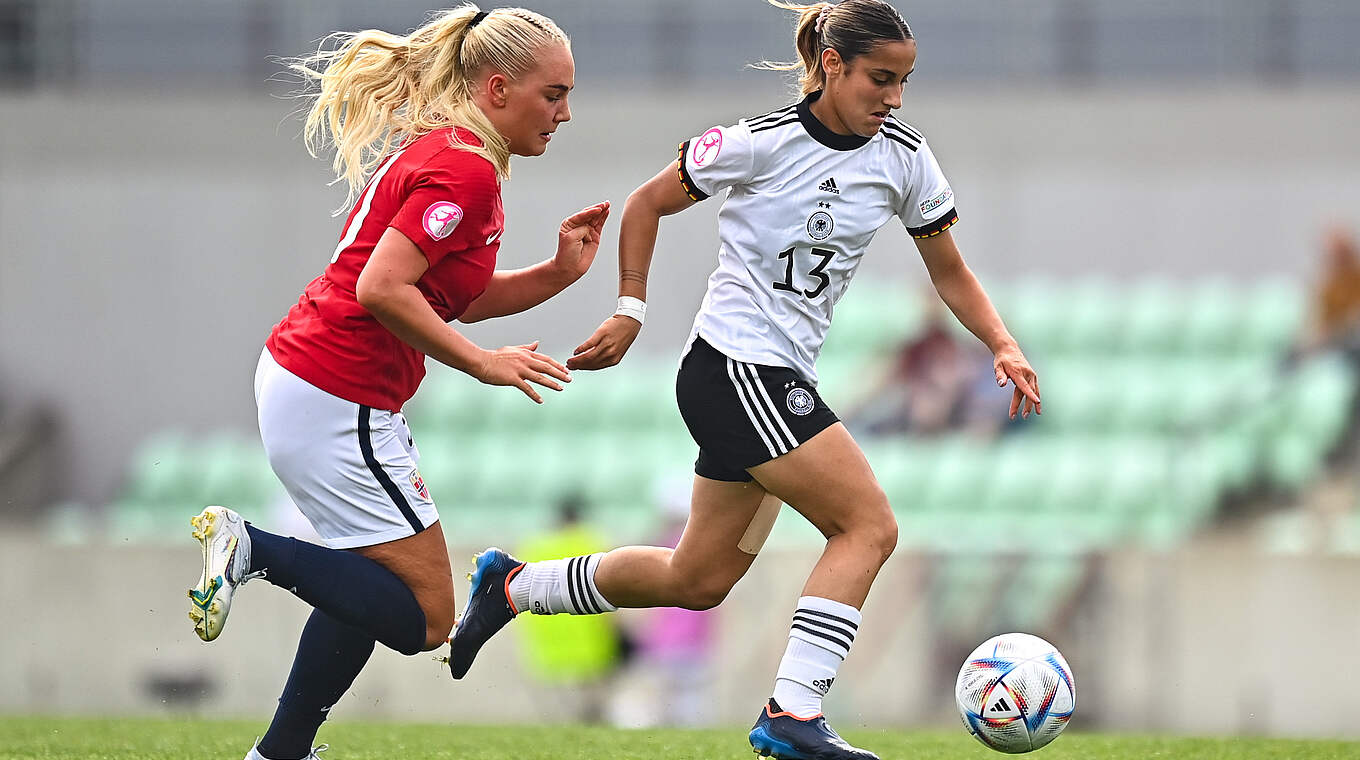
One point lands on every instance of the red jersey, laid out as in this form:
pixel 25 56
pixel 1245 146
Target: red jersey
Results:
pixel 445 200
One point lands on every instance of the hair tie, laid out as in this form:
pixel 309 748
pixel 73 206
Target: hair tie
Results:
pixel 821 18
pixel 478 19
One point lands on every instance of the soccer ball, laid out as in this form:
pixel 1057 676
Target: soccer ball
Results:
pixel 1015 693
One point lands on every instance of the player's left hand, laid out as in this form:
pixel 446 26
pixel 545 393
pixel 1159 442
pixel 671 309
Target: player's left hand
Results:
pixel 1012 366
pixel 578 239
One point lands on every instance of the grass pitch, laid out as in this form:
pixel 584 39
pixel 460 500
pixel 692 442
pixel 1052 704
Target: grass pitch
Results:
pixel 191 739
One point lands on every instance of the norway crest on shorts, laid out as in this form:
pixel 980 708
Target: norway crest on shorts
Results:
pixel 800 402
pixel 418 483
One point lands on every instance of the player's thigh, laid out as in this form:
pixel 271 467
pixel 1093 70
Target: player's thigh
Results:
pixel 720 512
pixel 829 481
pixel 422 563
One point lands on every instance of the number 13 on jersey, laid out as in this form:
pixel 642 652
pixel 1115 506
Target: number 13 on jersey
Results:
pixel 818 271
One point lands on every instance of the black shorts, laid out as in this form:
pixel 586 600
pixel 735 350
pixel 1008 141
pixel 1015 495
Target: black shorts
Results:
pixel 742 415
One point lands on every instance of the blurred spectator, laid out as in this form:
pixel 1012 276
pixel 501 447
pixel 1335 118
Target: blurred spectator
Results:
pixel 574 656
pixel 939 381
pixel 32 452
pixel 1336 300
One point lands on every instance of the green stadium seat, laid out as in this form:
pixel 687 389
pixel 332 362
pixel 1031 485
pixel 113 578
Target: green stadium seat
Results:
pixel 872 318
pixel 1291 460
pixel 1038 318
pixel 1077 476
pixel 960 479
pixel 161 468
pixel 1212 319
pixel 1079 398
pixel 1095 314
pixel 1037 590
pixel 1016 477
pixel 1154 315
pixel 1320 400
pixel 1272 318
pixel 965 588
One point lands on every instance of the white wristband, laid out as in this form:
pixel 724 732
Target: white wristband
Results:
pixel 632 307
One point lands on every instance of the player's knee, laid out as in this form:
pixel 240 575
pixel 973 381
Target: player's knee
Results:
pixel 877 527
pixel 704 593
pixel 885 536
pixel 439 615
pixel 437 630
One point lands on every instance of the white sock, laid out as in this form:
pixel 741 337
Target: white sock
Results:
pixel 819 641
pixel 560 585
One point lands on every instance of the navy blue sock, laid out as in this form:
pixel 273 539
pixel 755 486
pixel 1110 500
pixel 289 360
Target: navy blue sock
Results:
pixel 349 587
pixel 329 658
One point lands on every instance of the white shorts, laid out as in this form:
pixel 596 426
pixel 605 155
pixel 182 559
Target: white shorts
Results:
pixel 350 469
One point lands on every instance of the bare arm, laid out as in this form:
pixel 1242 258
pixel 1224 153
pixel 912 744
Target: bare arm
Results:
pixel 963 294
pixel 660 196
pixel 386 288
pixel 516 290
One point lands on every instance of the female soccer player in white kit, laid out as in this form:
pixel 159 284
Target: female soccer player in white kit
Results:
pixel 807 188
pixel 430 120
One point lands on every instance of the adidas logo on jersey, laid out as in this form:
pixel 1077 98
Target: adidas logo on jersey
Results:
pixel 830 186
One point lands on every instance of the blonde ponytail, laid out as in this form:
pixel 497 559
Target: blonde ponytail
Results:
pixel 851 28
pixel 379 90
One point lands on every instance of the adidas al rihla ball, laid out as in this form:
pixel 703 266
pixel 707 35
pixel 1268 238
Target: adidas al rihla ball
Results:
pixel 1015 693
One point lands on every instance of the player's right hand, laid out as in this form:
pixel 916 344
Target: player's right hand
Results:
pixel 521 365
pixel 608 345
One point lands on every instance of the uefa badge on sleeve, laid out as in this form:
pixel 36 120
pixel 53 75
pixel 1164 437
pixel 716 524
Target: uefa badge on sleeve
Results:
pixel 707 147
pixel 442 218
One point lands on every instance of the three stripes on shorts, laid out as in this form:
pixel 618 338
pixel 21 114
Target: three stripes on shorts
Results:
pixel 774 432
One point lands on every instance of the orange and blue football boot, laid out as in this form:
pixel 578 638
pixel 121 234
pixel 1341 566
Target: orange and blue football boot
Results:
pixel 785 736
pixel 488 608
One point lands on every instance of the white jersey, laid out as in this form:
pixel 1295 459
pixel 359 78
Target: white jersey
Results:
pixel 803 203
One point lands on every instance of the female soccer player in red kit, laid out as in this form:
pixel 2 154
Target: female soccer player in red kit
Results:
pixel 430 120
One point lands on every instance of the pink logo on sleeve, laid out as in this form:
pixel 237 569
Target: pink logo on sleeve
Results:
pixel 707 147
pixel 442 218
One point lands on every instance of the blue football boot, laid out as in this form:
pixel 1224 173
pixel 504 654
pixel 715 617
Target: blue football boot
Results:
pixel 782 735
pixel 488 608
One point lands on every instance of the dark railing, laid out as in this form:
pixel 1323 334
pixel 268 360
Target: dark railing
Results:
pixel 154 43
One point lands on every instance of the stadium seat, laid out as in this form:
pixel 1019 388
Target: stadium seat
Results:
pixel 1036 591
pixel 1094 319
pixel 1037 316
pixel 1272 317
pixel 1160 399
pixel 1154 314
pixel 161 469
pixel 1213 318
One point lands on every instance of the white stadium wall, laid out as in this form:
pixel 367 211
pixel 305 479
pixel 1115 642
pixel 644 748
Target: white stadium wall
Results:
pixel 1206 640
